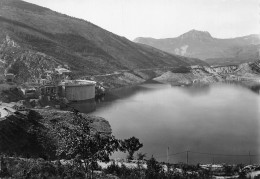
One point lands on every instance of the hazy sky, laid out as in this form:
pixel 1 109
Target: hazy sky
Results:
pixel 164 18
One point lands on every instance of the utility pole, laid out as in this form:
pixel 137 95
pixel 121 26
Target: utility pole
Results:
pixel 167 160
pixel 250 161
pixel 187 157
pixel 213 158
pixel 167 153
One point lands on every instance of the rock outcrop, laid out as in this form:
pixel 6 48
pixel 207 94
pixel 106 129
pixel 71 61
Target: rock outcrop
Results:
pixel 196 74
pixel 204 74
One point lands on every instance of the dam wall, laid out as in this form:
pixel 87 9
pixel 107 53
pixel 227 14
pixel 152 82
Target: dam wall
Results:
pixel 78 90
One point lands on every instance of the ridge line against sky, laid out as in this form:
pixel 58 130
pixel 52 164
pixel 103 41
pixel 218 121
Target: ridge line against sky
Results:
pixel 164 18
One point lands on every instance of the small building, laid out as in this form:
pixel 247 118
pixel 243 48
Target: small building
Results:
pixel 19 107
pixel 9 108
pixel 29 92
pixel 77 90
pixel 9 77
pixel 62 71
pixel 61 74
pixel 49 90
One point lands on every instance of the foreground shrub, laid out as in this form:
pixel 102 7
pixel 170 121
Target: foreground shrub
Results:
pixel 124 172
pixel 38 168
pixel 154 169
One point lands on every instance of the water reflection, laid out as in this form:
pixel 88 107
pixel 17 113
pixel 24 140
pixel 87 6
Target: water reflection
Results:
pixel 127 93
pixel 219 119
pixel 196 89
pixel 202 89
pixel 86 106
pixel 255 89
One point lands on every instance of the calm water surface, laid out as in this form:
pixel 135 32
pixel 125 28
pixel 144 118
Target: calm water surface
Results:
pixel 210 121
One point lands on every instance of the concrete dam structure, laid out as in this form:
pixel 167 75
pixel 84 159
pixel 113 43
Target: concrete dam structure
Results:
pixel 78 90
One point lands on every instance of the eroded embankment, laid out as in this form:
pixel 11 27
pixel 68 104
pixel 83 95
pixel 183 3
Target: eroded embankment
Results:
pixel 246 72
pixel 196 74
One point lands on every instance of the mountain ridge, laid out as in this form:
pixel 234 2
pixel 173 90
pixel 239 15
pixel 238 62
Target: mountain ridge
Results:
pixel 85 47
pixel 200 44
pixel 194 31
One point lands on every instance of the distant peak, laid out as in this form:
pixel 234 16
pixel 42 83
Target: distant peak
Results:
pixel 196 34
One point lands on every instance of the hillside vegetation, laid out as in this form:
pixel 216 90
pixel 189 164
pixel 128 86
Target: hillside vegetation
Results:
pixel 33 39
pixel 35 134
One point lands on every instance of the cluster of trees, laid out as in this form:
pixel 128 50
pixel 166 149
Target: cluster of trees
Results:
pixel 78 143
pixel 88 147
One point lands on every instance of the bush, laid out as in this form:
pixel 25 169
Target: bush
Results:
pixel 113 169
pixel 154 169
pixel 39 168
pixel 124 172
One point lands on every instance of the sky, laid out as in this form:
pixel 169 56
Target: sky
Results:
pixel 164 18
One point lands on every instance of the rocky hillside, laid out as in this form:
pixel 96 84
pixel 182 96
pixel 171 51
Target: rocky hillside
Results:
pixel 25 64
pixel 202 45
pixel 194 74
pixel 33 39
pixel 245 72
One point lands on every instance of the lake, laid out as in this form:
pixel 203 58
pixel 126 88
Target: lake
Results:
pixel 215 123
